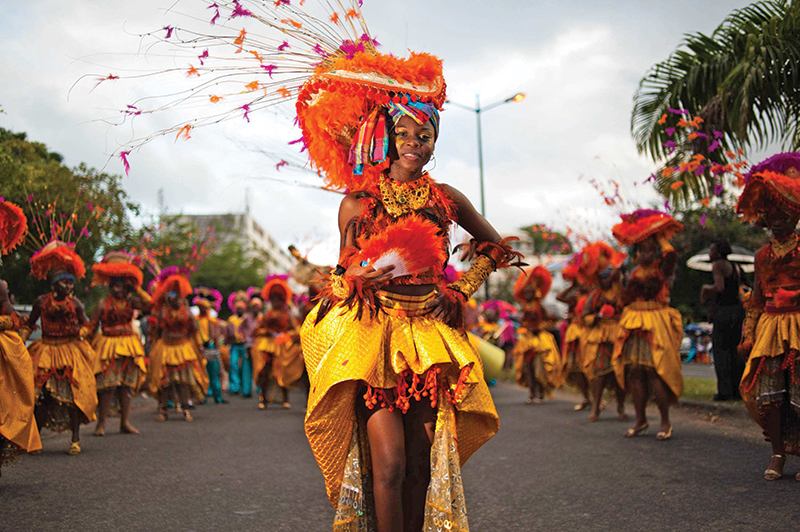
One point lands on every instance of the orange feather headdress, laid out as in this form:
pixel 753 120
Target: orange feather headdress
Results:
pixel 277 282
pixel 644 223
pixel 116 264
pixel 57 256
pixel 13 226
pixel 540 277
pixel 594 258
pixel 773 184
pixel 169 279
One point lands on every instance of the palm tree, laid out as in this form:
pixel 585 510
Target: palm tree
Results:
pixel 742 81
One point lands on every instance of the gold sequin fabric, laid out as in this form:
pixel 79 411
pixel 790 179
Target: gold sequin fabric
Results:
pixel 119 361
pixel 343 353
pixel 600 340
pixel 18 430
pixel 177 362
pixel 537 351
pixel 400 198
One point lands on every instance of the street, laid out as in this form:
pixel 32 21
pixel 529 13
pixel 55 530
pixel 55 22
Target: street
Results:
pixel 238 468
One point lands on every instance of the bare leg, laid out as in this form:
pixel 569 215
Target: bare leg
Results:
pixel 771 414
pixel 419 424
pixel 105 402
pixel 662 395
pixel 285 396
pixel 583 385
pixel 75 416
pixel 597 395
pixel 125 411
pixel 637 380
pixel 183 390
pixel 163 403
pixel 530 377
pixel 620 393
pixel 387 451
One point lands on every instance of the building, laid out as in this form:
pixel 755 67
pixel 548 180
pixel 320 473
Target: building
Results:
pixel 244 229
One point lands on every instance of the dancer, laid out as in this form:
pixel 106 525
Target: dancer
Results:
pixel 241 372
pixel 119 365
pixel 601 315
pixel 770 386
pixel 574 338
pixel 176 357
pixel 18 431
pixel 646 355
pixel 210 337
pixel 277 342
pixel 536 357
pixel 66 394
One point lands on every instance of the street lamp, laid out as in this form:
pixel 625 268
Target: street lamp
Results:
pixel 518 97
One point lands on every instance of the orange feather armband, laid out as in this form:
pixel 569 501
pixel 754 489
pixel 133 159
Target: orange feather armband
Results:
pixel 489 256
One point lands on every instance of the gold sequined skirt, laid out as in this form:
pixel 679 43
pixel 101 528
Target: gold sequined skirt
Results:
pixel 17 424
pixel 343 354
pixel 537 351
pixel 119 362
pixel 574 352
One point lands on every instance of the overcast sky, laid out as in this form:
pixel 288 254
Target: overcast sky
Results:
pixel 579 62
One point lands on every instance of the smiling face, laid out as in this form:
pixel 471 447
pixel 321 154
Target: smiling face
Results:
pixel 411 145
pixel 63 287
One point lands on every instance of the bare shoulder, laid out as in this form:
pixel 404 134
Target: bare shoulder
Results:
pixel 77 302
pixel 39 301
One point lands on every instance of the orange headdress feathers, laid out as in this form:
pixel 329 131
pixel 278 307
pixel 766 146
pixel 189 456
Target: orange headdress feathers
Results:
pixel 171 279
pixel 57 256
pixel 116 264
pixel 277 282
pixel 540 277
pixel 644 223
pixel 13 226
pixel 594 258
pixel 412 244
pixel 773 184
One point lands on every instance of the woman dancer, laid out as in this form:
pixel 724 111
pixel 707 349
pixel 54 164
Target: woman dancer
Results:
pixel 646 355
pixel 176 357
pixel 119 365
pixel 241 373
pixel 574 338
pixel 771 333
pixel 536 357
pixel 18 431
pixel 210 338
pixel 66 394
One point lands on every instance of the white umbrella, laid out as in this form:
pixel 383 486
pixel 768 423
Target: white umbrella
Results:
pixel 740 256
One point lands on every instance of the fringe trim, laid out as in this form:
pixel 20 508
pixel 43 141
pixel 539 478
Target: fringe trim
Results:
pixel 428 386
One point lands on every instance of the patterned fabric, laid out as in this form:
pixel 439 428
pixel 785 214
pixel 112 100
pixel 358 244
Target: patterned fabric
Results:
pixel 18 430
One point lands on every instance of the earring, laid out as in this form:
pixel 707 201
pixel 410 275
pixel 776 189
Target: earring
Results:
pixel 433 157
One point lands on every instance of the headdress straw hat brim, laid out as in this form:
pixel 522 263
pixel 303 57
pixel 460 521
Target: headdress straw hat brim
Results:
pixel 57 256
pixel 540 276
pixel 771 185
pixel 644 223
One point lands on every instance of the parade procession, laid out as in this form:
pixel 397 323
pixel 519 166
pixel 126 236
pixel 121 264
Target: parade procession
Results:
pixel 285 292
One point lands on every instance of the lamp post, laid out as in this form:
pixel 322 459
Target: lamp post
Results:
pixel 478 110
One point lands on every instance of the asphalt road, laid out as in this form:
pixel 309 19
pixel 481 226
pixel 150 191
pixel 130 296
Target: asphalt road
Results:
pixel 238 468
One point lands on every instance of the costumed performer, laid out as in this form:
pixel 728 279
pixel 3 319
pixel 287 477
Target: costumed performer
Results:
pixel 176 357
pixel 573 343
pixel 536 358
pixel 210 337
pixel 770 386
pixel 646 355
pixel 63 362
pixel 18 431
pixel 241 372
pixel 601 315
pixel 119 362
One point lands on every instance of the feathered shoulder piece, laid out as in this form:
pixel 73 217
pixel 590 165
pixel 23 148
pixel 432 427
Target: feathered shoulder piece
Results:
pixel 13 226
pixel 640 225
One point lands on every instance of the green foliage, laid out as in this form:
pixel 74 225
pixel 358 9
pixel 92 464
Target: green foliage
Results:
pixel 545 241
pixel 741 80
pixel 230 268
pixel 30 168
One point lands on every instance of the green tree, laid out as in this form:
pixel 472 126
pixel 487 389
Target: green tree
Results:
pixel 741 81
pixel 542 240
pixel 29 168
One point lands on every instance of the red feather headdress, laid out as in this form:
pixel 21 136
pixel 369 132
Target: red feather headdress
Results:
pixel 644 223
pixel 539 277
pixel 116 264
pixel 412 244
pixel 594 258
pixel 57 256
pixel 773 184
pixel 13 226
pixel 277 282
pixel 169 281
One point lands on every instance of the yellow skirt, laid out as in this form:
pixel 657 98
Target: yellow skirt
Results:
pixel 595 363
pixel 661 326
pixel 343 354
pixel 287 364
pixel 177 362
pixel 573 352
pixel 17 423
pixel 64 369
pixel 119 362
pixel 541 348
pixel 261 353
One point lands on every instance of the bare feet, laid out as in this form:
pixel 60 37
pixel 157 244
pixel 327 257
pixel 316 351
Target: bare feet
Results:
pixel 127 428
pixel 622 416
pixel 775 469
pixel 635 431
pixel 99 430
pixel 594 417
pixel 286 405
pixel 187 416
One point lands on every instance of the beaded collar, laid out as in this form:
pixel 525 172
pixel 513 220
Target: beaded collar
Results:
pixel 401 197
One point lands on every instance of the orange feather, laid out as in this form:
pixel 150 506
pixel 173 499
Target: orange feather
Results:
pixel 413 244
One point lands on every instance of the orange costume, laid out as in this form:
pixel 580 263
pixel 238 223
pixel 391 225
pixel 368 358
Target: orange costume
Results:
pixel 18 431
pixel 650 331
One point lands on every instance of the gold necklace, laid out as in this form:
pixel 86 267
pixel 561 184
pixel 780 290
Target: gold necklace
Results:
pixel 780 249
pixel 399 197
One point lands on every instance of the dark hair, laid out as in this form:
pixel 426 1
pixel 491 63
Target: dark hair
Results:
pixel 723 247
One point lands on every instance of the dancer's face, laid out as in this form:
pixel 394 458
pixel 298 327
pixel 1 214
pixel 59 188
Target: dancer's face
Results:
pixel 648 252
pixel 781 224
pixel 240 311
pixel 174 299
pixel 63 288
pixel 119 289
pixel 411 145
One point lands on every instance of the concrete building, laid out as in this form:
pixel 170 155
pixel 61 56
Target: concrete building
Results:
pixel 244 229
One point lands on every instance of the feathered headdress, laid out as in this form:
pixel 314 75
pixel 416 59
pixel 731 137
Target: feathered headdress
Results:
pixel 277 282
pixel 116 264
pixel 570 271
pixel 640 225
pixel 594 258
pixel 771 185
pixel 13 226
pixel 57 256
pixel 346 92
pixel 169 279
pixel 238 298
pixel 412 244
pixel 208 296
pixel 540 277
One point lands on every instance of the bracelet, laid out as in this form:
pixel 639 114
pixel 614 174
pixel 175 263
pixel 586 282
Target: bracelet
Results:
pixel 339 286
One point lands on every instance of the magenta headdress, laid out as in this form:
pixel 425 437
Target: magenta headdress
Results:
pixel 211 295
pixel 172 270
pixel 779 163
pixel 504 308
pixel 253 292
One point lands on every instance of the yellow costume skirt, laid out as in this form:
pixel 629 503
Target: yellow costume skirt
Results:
pixel 287 363
pixel 344 354
pixel 540 350
pixel 650 335
pixel 119 362
pixel 573 352
pixel 63 378
pixel 599 351
pixel 177 362
pixel 18 432
pixel 261 354
pixel 772 375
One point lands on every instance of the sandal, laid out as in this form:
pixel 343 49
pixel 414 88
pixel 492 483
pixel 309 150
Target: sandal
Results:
pixel 529 400
pixel 262 406
pixel 187 416
pixel 162 415
pixel 100 431
pixel 582 406
pixel 771 474
pixel 664 435
pixel 74 448
pixel 635 431
pixel 286 405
